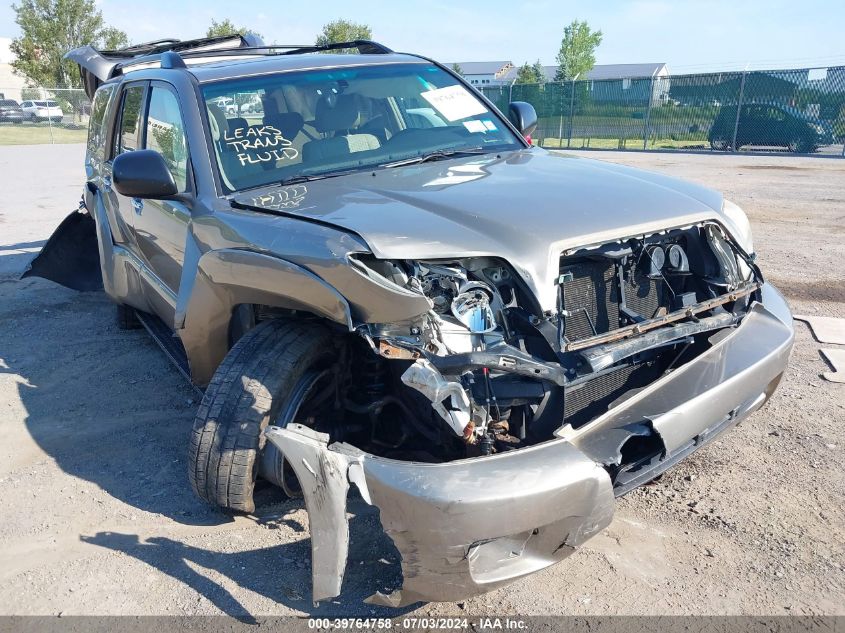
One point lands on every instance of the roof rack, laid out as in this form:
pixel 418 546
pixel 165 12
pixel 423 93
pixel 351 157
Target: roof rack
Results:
pixel 99 66
pixel 364 47
pixel 95 66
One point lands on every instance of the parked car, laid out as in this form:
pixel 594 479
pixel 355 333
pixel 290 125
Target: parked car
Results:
pixel 769 125
pixel 489 340
pixel 226 105
pixel 251 105
pixel 10 111
pixel 44 110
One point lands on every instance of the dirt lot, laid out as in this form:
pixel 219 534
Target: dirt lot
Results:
pixel 98 517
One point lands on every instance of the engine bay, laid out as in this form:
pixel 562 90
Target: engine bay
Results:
pixel 486 371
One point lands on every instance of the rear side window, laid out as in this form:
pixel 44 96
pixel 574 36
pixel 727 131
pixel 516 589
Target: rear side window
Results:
pixel 166 133
pixel 128 137
pixel 96 125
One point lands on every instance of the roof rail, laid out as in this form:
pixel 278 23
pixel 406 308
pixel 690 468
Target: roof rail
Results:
pixel 96 66
pixel 99 66
pixel 364 47
pixel 169 59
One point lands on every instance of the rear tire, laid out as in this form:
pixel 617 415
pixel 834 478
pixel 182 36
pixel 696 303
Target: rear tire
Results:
pixel 248 391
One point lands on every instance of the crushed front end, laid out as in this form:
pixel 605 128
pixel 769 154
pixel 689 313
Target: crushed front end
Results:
pixel 493 435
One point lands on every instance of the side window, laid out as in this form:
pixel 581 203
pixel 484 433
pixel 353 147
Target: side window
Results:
pixel 96 128
pixel 128 137
pixel 166 133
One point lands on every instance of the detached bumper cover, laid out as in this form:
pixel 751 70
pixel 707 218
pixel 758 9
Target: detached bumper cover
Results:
pixel 469 526
pixel 462 528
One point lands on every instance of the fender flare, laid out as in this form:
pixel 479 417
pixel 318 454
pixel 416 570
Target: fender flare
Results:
pixel 226 278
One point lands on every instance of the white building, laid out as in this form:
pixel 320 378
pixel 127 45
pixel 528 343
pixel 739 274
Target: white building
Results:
pixel 10 83
pixel 483 73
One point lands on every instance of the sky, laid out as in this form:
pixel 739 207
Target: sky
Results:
pixel 689 35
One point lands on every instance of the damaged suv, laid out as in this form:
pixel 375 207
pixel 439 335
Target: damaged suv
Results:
pixel 378 281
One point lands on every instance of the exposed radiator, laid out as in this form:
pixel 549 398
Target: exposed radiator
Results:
pixel 590 399
pixel 592 297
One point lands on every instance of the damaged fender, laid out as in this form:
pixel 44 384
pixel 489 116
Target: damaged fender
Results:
pixel 457 538
pixel 70 257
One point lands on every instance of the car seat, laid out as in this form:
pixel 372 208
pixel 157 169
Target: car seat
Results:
pixel 338 115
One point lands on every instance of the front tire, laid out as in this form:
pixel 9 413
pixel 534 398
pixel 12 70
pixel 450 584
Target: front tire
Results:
pixel 254 383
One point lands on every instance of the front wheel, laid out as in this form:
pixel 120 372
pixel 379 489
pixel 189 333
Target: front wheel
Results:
pixel 801 146
pixel 268 375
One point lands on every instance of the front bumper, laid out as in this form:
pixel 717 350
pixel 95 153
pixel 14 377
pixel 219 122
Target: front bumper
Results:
pixel 469 526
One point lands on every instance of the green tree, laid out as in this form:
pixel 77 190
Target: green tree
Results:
pixel 530 73
pixel 577 50
pixel 31 93
pixel 226 27
pixel 457 68
pixel 343 31
pixel 539 72
pixel 114 38
pixel 49 29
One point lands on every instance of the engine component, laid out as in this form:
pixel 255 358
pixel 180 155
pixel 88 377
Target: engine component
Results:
pixel 656 260
pixel 678 261
pixel 472 308
pixel 425 378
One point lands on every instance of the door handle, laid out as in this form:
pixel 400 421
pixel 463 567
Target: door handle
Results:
pixel 107 184
pixel 138 205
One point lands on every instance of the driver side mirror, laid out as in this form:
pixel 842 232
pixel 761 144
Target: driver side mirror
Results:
pixel 143 174
pixel 523 116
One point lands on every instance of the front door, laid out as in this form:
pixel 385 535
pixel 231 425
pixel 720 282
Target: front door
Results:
pixel 127 138
pixel 161 226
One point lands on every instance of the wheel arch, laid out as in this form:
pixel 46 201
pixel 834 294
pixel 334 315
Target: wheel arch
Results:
pixel 228 278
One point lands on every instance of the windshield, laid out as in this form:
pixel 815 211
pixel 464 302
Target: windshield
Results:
pixel 281 127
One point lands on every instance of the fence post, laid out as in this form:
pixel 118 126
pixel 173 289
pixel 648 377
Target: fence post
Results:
pixel 571 111
pixel 648 110
pixel 739 107
pixel 560 123
pixel 49 118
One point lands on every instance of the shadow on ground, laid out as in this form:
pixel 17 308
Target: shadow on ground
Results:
pixel 106 405
pixel 281 572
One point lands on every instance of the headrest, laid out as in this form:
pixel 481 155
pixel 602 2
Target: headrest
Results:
pixel 337 112
pixel 288 123
pixel 236 122
pixel 216 120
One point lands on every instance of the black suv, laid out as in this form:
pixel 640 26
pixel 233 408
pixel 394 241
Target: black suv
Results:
pixel 769 124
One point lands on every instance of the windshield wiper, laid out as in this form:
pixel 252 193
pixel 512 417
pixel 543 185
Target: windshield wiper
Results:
pixel 439 154
pixel 300 178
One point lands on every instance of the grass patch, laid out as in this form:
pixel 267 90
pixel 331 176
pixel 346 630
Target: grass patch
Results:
pixel 39 133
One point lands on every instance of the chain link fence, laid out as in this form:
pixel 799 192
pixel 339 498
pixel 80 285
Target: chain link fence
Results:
pixel 43 115
pixel 801 111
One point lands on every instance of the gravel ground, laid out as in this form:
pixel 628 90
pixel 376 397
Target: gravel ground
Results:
pixel 99 519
